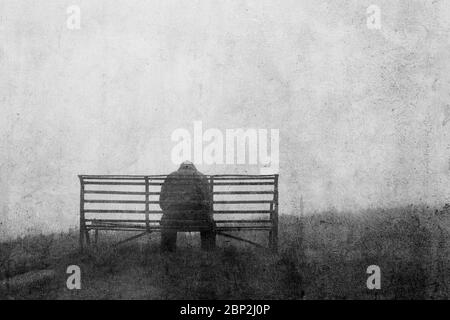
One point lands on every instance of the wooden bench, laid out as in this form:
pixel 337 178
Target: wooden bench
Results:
pixel 131 203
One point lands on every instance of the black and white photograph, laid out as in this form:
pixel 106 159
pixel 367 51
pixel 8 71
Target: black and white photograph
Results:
pixel 211 150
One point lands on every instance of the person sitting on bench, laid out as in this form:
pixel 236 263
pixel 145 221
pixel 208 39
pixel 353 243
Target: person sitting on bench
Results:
pixel 185 200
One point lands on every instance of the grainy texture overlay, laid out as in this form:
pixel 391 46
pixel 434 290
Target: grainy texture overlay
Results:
pixel 348 101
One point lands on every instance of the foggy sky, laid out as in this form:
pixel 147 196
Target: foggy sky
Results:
pixel 361 113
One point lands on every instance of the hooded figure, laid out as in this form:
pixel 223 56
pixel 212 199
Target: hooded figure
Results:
pixel 186 201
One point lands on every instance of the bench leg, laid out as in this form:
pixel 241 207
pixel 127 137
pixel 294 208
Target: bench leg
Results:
pixel 208 240
pixel 168 240
pixel 81 239
pixel 273 241
pixel 88 239
pixel 96 236
pixel 270 240
pixel 84 238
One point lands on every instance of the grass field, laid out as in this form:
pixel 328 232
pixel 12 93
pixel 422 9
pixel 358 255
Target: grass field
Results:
pixel 321 256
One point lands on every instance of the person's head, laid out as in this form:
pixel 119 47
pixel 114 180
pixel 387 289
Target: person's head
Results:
pixel 187 165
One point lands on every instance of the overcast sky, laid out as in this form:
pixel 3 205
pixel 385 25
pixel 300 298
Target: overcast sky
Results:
pixel 361 112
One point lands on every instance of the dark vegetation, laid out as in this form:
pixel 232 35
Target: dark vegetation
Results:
pixel 321 256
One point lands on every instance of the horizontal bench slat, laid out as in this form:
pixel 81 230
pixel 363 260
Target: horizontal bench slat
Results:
pixel 120 220
pixel 191 228
pixel 243 183
pixel 242 178
pixel 114 225
pixel 114 178
pixel 119 201
pixel 157 193
pixel 137 228
pixel 161 176
pixel 113 183
pixel 161 212
pixel 241 201
pixel 132 201
pixel 120 211
pixel 157 221
pixel 119 176
pixel 120 192
pixel 243 221
pixel 241 211
pixel 243 228
pixel 157 202
pixel 243 192
pixel 180 229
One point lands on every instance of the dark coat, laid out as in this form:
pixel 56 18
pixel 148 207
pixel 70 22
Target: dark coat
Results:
pixel 185 195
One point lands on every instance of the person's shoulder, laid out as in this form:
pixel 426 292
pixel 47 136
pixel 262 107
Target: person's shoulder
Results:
pixel 173 173
pixel 172 176
pixel 201 176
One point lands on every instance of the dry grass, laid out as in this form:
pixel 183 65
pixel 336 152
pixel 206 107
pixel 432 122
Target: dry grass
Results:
pixel 322 256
